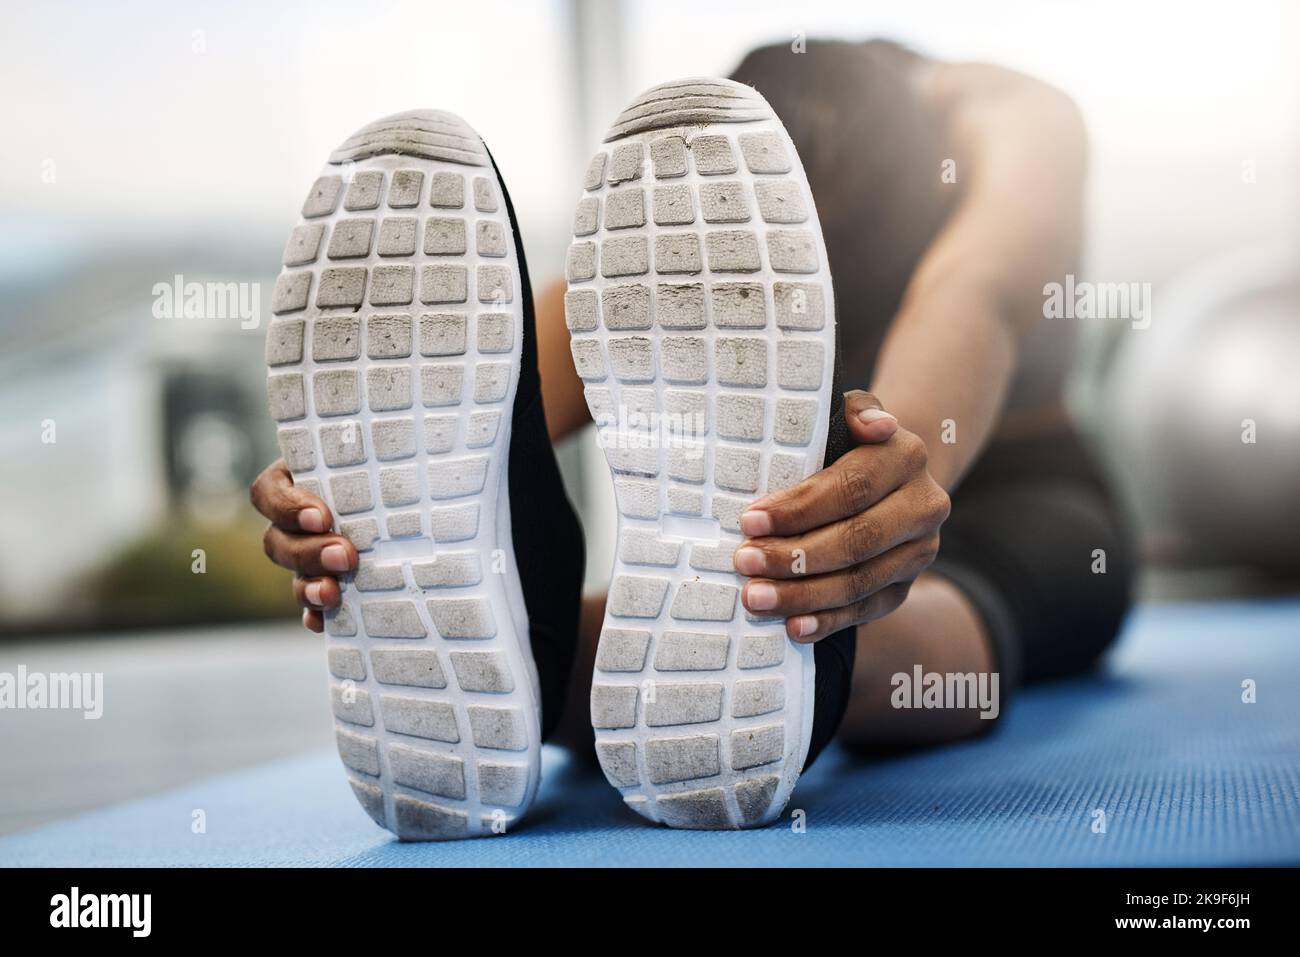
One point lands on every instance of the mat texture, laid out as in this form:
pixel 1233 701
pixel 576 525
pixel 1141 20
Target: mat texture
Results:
pixel 1160 740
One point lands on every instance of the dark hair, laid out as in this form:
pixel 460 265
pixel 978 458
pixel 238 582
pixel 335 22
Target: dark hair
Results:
pixel 873 153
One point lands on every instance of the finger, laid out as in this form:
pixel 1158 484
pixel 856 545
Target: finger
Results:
pixel 311 555
pixel 904 514
pixel 313 620
pixel 852 484
pixel 810 595
pixel 317 592
pixel 806 629
pixel 866 418
pixel 286 505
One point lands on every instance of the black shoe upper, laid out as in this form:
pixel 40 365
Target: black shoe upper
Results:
pixel 548 542
pixel 834 654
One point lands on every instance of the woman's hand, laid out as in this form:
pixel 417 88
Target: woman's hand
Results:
pixel 299 539
pixel 844 546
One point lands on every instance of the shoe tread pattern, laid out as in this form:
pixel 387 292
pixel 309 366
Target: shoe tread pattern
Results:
pixel 392 362
pixel 699 291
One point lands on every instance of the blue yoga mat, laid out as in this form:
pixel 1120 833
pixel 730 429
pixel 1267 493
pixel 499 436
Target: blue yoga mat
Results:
pixel 1159 740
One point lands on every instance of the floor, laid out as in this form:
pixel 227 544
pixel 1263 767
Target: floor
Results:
pixel 1157 760
pixel 178 707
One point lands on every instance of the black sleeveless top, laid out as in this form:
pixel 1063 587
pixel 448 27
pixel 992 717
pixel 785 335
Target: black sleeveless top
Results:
pixel 875 155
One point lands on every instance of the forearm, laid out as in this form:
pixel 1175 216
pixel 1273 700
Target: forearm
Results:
pixel 944 371
pixel 951 352
pixel 562 392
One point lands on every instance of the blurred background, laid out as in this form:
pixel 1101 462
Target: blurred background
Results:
pixel 150 141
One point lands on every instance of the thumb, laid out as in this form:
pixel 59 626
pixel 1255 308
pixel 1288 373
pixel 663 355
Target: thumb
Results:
pixel 867 421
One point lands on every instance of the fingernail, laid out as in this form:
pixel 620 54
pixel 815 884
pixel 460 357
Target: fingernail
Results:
pixel 867 416
pixel 754 523
pixel 313 593
pixel 311 520
pixel 750 560
pixel 760 596
pixel 803 625
pixel 334 558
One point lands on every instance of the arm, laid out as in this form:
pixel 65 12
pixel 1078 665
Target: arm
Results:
pixel 951 351
pixel 562 390
pixel 867 526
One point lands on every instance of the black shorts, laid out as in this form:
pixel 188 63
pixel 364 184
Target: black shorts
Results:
pixel 1038 545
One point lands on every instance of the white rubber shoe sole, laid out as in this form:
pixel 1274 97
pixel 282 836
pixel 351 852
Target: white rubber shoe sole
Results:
pixel 702 323
pixel 394 357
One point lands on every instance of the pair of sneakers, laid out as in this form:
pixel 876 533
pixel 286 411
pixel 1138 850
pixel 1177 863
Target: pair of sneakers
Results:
pixel 403 380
